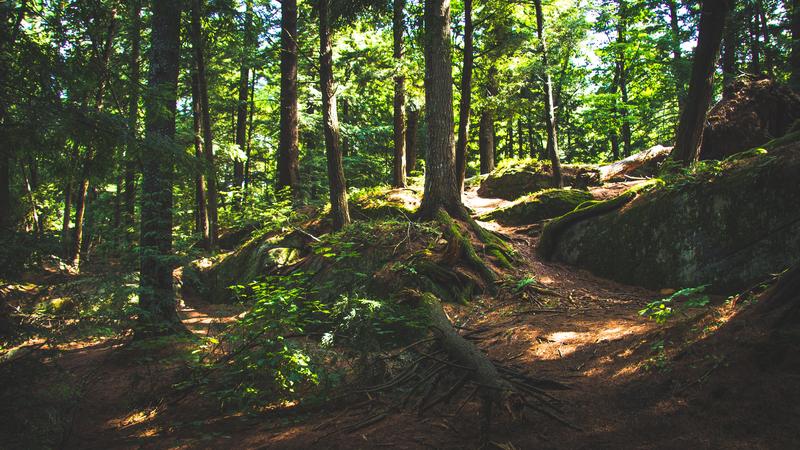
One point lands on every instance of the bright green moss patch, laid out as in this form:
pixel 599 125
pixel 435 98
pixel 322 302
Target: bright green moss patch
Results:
pixel 540 206
pixel 515 178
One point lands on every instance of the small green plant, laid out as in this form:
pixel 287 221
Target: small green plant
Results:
pixel 662 310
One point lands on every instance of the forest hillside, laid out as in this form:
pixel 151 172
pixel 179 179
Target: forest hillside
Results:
pixel 399 224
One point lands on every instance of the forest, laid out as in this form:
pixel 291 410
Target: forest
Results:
pixel 399 224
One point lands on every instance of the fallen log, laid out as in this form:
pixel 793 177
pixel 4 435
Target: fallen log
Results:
pixel 618 170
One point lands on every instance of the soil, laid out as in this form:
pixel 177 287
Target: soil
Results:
pixel 692 383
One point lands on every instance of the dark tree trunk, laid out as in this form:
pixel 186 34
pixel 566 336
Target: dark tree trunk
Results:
pixel 531 139
pixel 399 166
pixel 622 69
pixel 730 43
pixel 769 64
pixel 510 132
pixel 288 148
pixel 156 296
pixel 793 6
pixel 552 131
pixel 8 34
pixel 198 47
pixel 520 139
pixel 441 182
pixel 201 210
pixel 615 146
pixel 5 194
pixel 250 130
pixel 754 36
pixel 464 108
pixel 132 152
pixel 244 89
pixel 486 141
pixel 692 121
pixel 677 57
pixel 411 140
pixel 340 211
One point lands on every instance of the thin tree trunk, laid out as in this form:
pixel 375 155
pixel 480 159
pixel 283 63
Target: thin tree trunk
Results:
pixel 201 210
pixel 131 156
pixel 250 123
pixel 730 43
pixel 8 36
pixel 552 131
pixel 156 294
pixel 793 6
pixel 244 90
pixel 198 47
pixel 399 166
pixel 411 140
pixel 5 191
pixel 520 139
pixel 441 182
pixel 692 121
pixel 764 26
pixel 66 219
pixel 677 57
pixel 510 132
pixel 531 139
pixel 622 42
pixel 465 105
pixel 288 147
pixel 338 186
pixel 486 141
pixel 755 44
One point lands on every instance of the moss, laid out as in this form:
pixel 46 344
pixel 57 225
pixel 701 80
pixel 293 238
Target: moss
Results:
pixel 515 178
pixel 540 206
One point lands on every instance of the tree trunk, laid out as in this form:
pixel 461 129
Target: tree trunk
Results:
pixel 677 57
pixel 441 182
pixel 622 41
pixel 552 131
pixel 755 44
pixel 399 167
pixel 244 89
pixel 486 141
pixel 730 43
pixel 66 219
pixel 510 132
pixel 131 156
pixel 411 140
pixel 693 117
pixel 464 108
pixel 288 147
pixel 764 27
pixel 338 188
pixel 201 210
pixel 156 295
pixel 250 130
pixel 793 6
pixel 5 195
pixel 520 139
pixel 198 47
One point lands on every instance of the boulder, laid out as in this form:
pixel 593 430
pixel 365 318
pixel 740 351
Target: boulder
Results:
pixel 540 206
pixel 729 229
pixel 512 181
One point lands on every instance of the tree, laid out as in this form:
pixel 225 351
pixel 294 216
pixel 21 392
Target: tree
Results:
pixel 412 128
pixel 462 143
pixel 793 6
pixel 486 133
pixel 156 296
pixel 622 76
pixel 690 128
pixel 552 131
pixel 340 211
pixel 441 183
pixel 201 210
pixel 198 51
pixel 399 166
pixel 244 89
pixel 288 148
pixel 675 47
pixel 132 152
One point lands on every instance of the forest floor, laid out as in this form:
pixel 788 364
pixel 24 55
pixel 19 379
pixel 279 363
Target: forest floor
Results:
pixel 632 382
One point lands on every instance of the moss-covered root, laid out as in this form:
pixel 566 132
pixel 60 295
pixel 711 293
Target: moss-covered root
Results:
pixel 459 246
pixel 495 246
pixel 493 388
pixel 553 229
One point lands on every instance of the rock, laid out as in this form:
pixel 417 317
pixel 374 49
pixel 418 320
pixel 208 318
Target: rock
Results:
pixel 511 182
pixel 540 206
pixel 753 112
pixel 730 230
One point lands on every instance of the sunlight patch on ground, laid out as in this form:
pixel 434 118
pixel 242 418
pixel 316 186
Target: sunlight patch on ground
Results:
pixel 135 418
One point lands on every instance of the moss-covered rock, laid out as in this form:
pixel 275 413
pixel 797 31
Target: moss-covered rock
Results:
pixel 540 206
pixel 730 229
pixel 514 178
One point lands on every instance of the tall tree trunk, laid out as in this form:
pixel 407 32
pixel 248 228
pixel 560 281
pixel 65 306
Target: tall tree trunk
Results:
pixel 411 140
pixel 486 141
pixel 250 130
pixel 622 42
pixel 531 138
pixel 201 209
pixel 520 139
pixel 510 133
pixel 5 191
pixel 793 6
pixel 441 182
pixel 769 64
pixel 677 57
pixel 156 295
pixel 288 147
pixel 132 152
pixel 755 43
pixel 338 186
pixel 730 43
pixel 8 35
pixel 464 108
pixel 552 131
pixel 614 138
pixel 399 166
pixel 692 121
pixel 244 89
pixel 198 47
pixel 66 219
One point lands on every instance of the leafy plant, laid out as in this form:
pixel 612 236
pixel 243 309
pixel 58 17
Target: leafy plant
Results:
pixel 662 310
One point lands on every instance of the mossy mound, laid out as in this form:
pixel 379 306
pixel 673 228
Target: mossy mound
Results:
pixel 729 228
pixel 515 178
pixel 540 206
pixel 385 202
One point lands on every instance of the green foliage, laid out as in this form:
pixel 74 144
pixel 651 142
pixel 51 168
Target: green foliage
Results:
pixel 663 309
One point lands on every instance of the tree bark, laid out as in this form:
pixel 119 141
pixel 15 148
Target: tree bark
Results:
pixel 156 295
pixel 66 219
pixel 730 43
pixel 411 140
pixel 465 105
pixel 692 121
pixel 677 57
pixel 244 89
pixel 399 166
pixel 754 35
pixel 552 131
pixel 441 182
pixel 340 211
pixel 486 141
pixel 793 6
pixel 520 139
pixel 198 47
pixel 201 210
pixel 288 147
pixel 131 154
pixel 622 41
